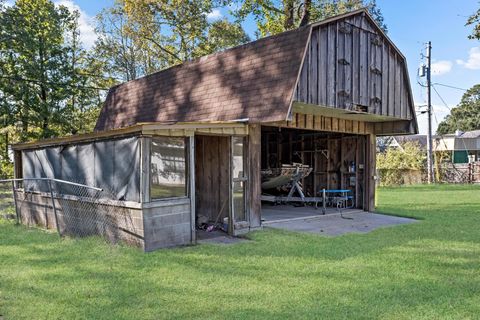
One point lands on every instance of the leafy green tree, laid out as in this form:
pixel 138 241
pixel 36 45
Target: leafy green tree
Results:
pixel 474 20
pixel 43 86
pixel 125 57
pixel 48 81
pixel 275 16
pixel 139 37
pixel 221 34
pixel 465 116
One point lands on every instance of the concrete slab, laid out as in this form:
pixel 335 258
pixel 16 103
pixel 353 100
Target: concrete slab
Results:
pixel 280 213
pixel 336 224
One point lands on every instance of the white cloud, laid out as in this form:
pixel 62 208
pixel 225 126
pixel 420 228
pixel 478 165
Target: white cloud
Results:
pixel 441 67
pixel 214 15
pixel 473 61
pixel 85 23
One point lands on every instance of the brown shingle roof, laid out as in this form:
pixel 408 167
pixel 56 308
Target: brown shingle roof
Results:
pixel 254 81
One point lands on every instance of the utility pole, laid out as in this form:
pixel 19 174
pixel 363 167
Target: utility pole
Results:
pixel 431 176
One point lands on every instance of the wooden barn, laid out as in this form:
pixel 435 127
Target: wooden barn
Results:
pixel 200 138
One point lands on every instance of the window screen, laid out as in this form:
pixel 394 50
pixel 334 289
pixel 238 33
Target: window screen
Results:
pixel 239 178
pixel 167 168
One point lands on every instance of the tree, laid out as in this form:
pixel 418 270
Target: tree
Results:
pixel 275 16
pixel 139 37
pixel 465 116
pixel 221 34
pixel 474 20
pixel 125 57
pixel 48 81
pixel 43 86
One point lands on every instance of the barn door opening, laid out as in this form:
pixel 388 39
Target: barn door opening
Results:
pixel 212 185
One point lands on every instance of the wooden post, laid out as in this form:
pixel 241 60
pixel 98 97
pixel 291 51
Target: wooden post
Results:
pixel 17 174
pixel 191 173
pixel 145 169
pixel 370 173
pixel 17 214
pixel 254 181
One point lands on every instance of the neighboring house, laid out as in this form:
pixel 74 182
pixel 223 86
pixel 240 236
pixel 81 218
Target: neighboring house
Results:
pixel 463 146
pixel 191 141
pixel 397 142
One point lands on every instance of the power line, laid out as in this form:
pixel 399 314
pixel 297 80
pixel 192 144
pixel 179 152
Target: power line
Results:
pixel 449 86
pixel 438 94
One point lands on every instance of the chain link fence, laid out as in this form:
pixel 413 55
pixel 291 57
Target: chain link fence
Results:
pixel 73 209
pixel 7 204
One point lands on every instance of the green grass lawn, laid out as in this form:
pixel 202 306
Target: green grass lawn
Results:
pixel 426 270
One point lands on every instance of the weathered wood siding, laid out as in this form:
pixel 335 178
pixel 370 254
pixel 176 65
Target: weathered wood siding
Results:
pixel 370 179
pixel 329 124
pixel 350 65
pixel 254 188
pixel 212 176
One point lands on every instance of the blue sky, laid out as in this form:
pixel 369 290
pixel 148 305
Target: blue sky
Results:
pixel 411 23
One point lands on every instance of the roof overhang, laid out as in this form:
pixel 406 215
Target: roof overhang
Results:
pixel 179 129
pixel 304 108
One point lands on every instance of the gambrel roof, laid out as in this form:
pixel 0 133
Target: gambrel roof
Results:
pixel 255 81
pixel 345 62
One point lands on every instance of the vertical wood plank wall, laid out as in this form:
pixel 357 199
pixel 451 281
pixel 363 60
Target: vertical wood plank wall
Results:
pixel 350 65
pixel 212 176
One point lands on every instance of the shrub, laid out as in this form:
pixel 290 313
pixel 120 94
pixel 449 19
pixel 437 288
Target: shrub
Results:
pixel 6 169
pixel 395 165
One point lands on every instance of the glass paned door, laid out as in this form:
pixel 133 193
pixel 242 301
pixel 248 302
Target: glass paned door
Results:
pixel 239 179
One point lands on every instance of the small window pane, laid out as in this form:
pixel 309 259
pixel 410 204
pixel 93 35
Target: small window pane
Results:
pixel 167 168
pixel 238 157
pixel 239 201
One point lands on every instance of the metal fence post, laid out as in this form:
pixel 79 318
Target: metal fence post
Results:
pixel 54 207
pixel 15 202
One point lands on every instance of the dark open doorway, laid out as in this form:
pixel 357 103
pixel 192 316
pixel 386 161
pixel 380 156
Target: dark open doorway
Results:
pixel 212 184
pixel 332 161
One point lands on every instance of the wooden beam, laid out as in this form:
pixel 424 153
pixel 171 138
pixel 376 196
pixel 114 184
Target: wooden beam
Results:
pixel 17 165
pixel 191 173
pixel 145 144
pixel 174 129
pixel 370 173
pixel 81 138
pixel 394 128
pixel 254 181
